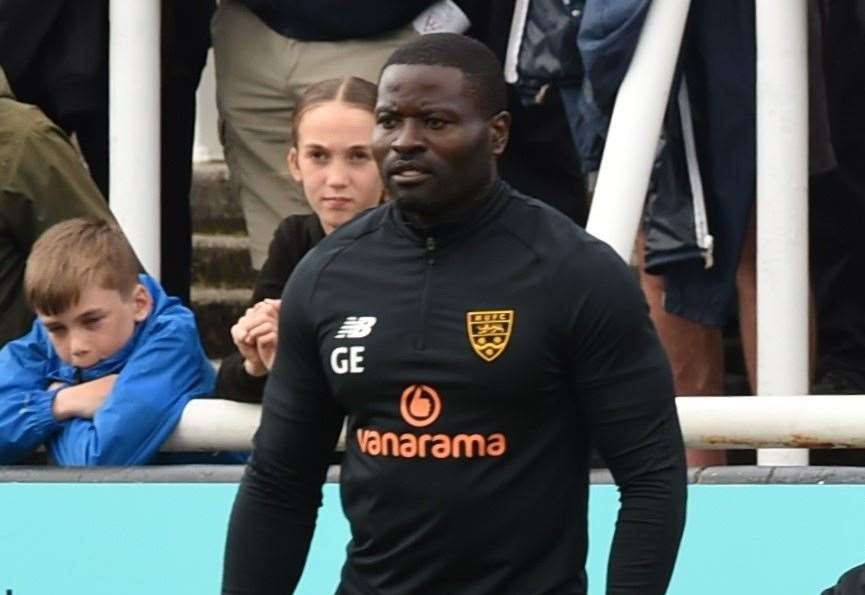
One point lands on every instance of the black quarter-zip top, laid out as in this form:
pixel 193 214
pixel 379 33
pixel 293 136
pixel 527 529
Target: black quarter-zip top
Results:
pixel 473 364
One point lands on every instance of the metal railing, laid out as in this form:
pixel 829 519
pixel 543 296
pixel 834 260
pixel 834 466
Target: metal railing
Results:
pixel 134 124
pixel 818 421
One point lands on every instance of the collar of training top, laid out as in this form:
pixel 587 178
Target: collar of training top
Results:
pixel 445 233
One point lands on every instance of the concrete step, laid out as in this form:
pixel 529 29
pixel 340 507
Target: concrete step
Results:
pixel 214 209
pixel 216 310
pixel 220 260
pixel 222 276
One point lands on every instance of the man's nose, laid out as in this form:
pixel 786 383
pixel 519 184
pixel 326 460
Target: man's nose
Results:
pixel 409 138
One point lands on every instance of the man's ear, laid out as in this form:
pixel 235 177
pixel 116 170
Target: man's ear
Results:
pixel 293 166
pixel 500 127
pixel 142 301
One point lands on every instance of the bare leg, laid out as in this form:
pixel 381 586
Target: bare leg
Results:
pixel 695 352
pixel 746 286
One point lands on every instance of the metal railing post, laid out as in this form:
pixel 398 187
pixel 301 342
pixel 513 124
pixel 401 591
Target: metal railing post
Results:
pixel 134 124
pixel 635 127
pixel 782 207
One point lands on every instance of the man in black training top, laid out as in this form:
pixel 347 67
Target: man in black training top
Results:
pixel 476 341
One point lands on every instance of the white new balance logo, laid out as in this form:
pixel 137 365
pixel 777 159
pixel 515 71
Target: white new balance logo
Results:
pixel 356 327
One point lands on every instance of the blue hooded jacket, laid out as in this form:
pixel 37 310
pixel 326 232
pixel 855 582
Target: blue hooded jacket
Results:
pixel 159 370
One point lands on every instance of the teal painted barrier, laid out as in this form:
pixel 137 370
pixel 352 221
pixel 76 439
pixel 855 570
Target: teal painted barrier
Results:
pixel 142 539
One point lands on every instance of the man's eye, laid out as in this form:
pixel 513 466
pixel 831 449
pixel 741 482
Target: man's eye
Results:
pixel 317 156
pixel 55 330
pixel 435 123
pixel 385 121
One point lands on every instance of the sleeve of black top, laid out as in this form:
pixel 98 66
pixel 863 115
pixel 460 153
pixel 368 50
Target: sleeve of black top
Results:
pixel 276 506
pixel 287 247
pixel 623 381
pixel 232 381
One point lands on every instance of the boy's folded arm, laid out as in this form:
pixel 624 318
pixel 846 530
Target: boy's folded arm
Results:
pixel 26 421
pixel 82 400
pixel 146 403
pixel 26 418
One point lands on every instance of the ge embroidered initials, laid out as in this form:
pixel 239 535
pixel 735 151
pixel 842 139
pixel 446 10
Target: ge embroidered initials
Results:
pixel 347 360
pixel 356 327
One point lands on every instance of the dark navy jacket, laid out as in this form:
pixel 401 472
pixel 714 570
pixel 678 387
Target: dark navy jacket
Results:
pixel 694 242
pixel 333 20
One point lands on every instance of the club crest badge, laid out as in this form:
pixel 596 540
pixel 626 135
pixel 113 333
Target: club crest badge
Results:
pixel 489 332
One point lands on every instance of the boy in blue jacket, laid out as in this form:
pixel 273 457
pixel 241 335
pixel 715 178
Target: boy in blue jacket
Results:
pixel 107 368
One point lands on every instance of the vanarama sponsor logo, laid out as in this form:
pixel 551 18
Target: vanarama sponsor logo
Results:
pixel 439 446
pixel 420 406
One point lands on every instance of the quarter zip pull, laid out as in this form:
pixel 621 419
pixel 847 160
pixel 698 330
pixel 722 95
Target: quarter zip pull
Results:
pixel 429 254
pixel 430 250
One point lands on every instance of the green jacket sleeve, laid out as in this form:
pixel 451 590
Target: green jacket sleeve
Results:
pixel 42 181
pixel 48 183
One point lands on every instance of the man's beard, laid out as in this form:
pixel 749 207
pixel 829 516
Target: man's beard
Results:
pixel 416 205
pixel 446 201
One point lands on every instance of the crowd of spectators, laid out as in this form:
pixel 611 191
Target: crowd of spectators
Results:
pixel 695 253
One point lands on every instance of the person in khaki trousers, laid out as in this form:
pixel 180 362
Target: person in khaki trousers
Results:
pixel 265 58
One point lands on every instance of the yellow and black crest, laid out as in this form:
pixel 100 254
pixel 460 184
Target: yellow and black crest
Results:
pixel 489 332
